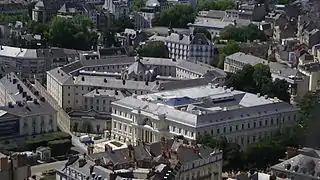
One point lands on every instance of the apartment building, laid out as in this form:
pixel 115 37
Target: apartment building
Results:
pixel 14 167
pixel 34 62
pixel 166 159
pixel 242 117
pixel 22 113
pixel 194 48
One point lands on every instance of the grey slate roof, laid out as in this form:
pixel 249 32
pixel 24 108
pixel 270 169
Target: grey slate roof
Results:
pixel 30 109
pixel 247 58
pixel 6 83
pixel 248 105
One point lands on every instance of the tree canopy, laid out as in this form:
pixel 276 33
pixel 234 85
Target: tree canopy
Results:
pixel 75 33
pixel 136 5
pixel 258 79
pixel 242 34
pixel 122 23
pixel 177 16
pixel 202 30
pixel 154 49
pixel 206 5
pixel 230 48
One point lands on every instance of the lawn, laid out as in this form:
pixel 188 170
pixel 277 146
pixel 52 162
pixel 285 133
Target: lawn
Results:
pixel 116 143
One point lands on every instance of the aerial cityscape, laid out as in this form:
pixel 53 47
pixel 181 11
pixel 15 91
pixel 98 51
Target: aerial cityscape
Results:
pixel 159 89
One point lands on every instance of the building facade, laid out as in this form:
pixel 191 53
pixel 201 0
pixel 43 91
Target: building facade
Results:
pixel 197 48
pixel 14 167
pixel 117 8
pixel 242 117
pixel 23 114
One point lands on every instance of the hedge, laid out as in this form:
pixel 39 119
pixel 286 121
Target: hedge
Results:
pixel 59 147
pixel 43 140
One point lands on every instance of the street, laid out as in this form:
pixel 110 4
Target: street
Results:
pixel 38 169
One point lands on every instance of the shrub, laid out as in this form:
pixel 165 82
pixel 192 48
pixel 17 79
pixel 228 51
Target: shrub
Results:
pixel 59 147
pixel 43 140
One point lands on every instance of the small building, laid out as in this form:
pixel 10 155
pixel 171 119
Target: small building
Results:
pixel 44 153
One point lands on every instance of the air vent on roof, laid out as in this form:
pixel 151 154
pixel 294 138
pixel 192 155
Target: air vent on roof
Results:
pixel 10 105
pixel 42 99
pixel 28 108
pixel 19 103
pixel 35 101
pixel 18 86
pixel 105 80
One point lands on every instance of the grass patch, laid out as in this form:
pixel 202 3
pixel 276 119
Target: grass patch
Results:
pixel 116 143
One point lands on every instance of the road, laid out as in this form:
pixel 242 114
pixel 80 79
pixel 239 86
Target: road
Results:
pixel 38 169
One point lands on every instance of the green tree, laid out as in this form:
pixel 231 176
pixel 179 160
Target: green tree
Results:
pixel 60 147
pixel 202 30
pixel 122 23
pixel 243 33
pixel 177 16
pixel 258 79
pixel 280 89
pixel 206 5
pixel 34 27
pixel 230 48
pixel 75 33
pixel 154 49
pixel 232 154
pixel 136 5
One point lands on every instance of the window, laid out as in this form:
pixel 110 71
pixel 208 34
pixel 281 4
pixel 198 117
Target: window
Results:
pixel 242 126
pixel 68 94
pixel 97 108
pixel 254 124
pixel 272 121
pixel 218 131
pixel 236 127
pixel 120 126
pixel 114 125
pixel 266 122
pixel 191 134
pixel 230 128
pixel 97 101
pixel 248 125
pixel 224 129
pixel 173 128
pixel 185 132
pixel 104 101
pixel 179 130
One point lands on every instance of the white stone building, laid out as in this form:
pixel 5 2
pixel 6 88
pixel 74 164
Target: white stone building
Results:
pixel 242 117
pixel 23 114
pixel 117 8
pixel 194 48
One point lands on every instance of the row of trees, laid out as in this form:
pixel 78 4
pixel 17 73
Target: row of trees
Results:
pixel 243 33
pixel 154 49
pixel 257 79
pixel 206 5
pixel 59 142
pixel 177 16
pixel 85 127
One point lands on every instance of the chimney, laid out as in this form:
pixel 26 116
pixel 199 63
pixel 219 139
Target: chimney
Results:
pixel 14 81
pixel 147 83
pixel 4 163
pixel 18 86
pixel 24 94
pixel 105 80
pixel 82 78
pixel 20 90
pixel 180 36
pixel 1 48
pixel 10 105
pixel 35 101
